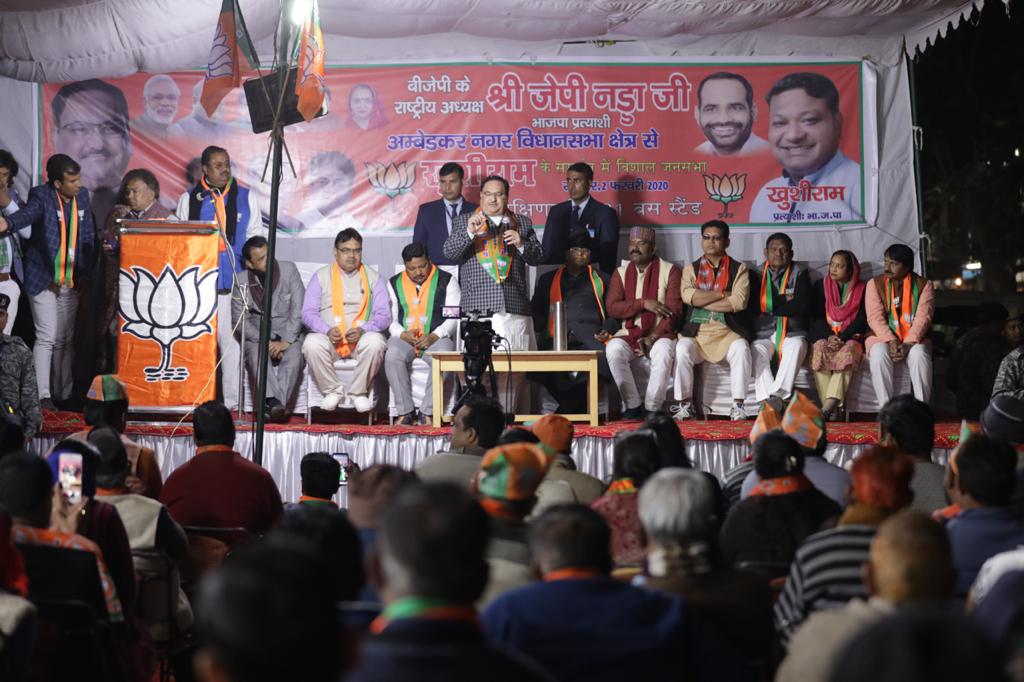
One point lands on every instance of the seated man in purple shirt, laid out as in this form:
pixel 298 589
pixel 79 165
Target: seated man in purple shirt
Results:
pixel 347 310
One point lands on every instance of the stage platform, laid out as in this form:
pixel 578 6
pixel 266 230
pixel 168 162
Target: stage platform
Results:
pixel 714 445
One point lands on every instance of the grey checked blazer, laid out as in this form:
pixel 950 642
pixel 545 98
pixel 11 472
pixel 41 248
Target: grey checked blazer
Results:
pixel 479 290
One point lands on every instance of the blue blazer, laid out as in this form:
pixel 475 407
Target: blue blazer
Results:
pixel 432 228
pixel 600 219
pixel 40 250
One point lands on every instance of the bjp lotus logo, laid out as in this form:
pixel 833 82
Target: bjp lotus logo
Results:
pixel 391 179
pixel 167 309
pixel 726 189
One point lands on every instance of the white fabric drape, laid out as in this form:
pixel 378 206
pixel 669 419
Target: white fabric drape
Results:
pixel 283 451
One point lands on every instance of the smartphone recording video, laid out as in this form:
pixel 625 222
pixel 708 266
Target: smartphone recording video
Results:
pixel 69 467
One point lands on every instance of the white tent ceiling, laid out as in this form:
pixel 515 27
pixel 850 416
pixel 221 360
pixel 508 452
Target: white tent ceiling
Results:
pixel 61 40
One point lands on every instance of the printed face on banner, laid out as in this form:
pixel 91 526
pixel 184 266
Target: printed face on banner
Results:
pixel 91 126
pixel 672 144
pixel 725 112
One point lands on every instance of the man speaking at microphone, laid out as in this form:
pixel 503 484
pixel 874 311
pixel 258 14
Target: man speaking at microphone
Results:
pixel 218 197
pixel 492 247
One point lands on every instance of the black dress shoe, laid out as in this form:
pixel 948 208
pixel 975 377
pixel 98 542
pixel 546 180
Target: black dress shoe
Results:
pixel 47 404
pixel 634 413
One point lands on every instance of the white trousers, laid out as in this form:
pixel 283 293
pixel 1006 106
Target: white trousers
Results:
pixel 54 311
pixel 794 350
pixel 518 330
pixel 919 364
pixel 11 288
pixel 689 354
pixel 227 346
pixel 624 366
pixel 321 354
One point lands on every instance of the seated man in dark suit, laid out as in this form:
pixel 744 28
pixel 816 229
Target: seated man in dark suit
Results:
pixel 431 568
pixel 580 287
pixel 218 487
pixel 575 620
pixel 582 210
pixel 434 218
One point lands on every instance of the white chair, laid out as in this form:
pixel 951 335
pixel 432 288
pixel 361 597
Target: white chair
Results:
pixel 342 367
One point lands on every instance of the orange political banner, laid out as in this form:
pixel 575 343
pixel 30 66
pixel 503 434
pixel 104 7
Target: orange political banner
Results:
pixel 167 349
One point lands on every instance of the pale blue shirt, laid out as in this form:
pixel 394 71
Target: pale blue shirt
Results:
pixel 839 172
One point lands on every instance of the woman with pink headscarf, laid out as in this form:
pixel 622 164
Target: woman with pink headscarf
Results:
pixel 838 328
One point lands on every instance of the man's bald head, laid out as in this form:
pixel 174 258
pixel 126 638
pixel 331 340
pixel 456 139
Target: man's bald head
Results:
pixel 911 559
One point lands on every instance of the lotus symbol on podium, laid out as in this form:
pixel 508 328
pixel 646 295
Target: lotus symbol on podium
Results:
pixel 391 179
pixel 726 189
pixel 167 309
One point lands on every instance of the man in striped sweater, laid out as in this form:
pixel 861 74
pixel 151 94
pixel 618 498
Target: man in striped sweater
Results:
pixel 826 572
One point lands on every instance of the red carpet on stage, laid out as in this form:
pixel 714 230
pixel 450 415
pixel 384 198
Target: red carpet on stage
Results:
pixel 846 433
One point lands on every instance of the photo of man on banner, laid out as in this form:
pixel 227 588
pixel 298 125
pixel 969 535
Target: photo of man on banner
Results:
pixel 818 182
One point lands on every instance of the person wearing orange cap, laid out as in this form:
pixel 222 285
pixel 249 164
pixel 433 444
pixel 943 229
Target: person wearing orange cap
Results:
pixel 556 433
pixel 804 423
pixel 826 571
pixel 506 487
pixel 644 295
pixel 19 393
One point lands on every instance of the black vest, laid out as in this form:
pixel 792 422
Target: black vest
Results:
pixel 436 317
pixel 739 322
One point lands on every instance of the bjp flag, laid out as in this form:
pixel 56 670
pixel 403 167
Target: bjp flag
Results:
pixel 167 317
pixel 310 85
pixel 224 71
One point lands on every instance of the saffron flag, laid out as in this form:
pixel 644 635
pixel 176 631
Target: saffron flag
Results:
pixel 310 84
pixel 167 317
pixel 224 70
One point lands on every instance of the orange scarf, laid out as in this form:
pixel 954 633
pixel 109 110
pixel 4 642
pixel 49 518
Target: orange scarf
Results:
pixel 64 263
pixel 768 305
pixel 219 207
pixel 338 306
pixel 570 574
pixel 555 294
pixel 784 485
pixel 900 322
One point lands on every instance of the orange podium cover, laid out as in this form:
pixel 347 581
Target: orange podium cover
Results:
pixel 167 313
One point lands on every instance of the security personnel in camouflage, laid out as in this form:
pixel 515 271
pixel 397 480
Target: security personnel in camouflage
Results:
pixel 19 395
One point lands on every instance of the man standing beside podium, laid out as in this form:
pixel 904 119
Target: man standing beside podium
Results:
pixel 582 210
pixel 218 197
pixel 57 259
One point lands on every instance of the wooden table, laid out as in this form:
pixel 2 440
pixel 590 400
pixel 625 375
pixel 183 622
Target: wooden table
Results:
pixel 523 361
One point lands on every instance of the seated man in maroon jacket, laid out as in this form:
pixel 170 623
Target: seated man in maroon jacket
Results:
pixel 218 487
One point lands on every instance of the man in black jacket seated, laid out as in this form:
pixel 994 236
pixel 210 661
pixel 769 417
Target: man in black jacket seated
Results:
pixel 780 302
pixel 581 288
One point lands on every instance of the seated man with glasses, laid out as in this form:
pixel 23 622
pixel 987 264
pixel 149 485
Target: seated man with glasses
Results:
pixel 347 311
pixel 716 289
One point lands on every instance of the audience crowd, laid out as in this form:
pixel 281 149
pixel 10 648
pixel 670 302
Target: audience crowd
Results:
pixel 498 558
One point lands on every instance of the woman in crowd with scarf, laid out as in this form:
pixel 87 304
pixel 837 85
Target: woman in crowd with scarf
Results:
pixel 636 459
pixel 838 327
pixel 764 530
